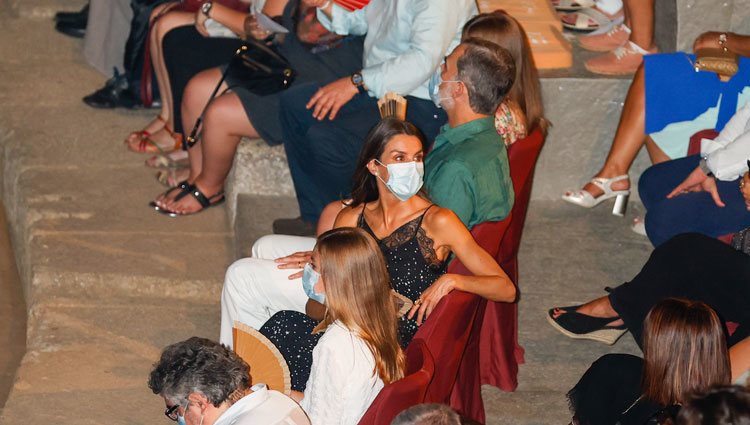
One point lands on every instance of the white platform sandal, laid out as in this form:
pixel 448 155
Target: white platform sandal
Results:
pixel 585 199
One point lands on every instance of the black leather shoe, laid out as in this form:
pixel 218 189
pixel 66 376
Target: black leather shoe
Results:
pixel 81 15
pixel 114 94
pixel 71 29
pixel 294 226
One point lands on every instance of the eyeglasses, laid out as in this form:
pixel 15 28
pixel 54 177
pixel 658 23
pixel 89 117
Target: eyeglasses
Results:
pixel 171 412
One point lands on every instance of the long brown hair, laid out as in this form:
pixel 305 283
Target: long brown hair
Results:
pixel 357 289
pixel 503 30
pixel 684 350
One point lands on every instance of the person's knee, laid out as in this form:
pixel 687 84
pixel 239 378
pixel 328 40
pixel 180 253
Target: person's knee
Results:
pixel 262 245
pixel 660 224
pixel 195 94
pixel 238 273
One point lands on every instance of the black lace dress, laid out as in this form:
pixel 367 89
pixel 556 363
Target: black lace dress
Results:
pixel 412 265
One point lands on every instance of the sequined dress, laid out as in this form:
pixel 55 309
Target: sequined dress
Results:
pixel 412 265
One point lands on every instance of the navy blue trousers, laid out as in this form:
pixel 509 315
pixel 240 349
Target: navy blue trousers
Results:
pixel 322 155
pixel 689 212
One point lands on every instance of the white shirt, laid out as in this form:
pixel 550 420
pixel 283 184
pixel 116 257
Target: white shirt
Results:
pixel 342 382
pixel 406 40
pixel 727 155
pixel 263 406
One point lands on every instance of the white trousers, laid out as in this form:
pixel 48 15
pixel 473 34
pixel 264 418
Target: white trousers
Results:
pixel 255 288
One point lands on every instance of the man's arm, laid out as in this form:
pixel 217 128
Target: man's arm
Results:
pixel 433 31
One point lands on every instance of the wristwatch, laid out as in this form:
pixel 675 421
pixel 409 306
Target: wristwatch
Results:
pixel 703 165
pixel 359 82
pixel 206 7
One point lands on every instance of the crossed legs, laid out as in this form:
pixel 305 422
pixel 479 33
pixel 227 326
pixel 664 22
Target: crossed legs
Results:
pixel 224 124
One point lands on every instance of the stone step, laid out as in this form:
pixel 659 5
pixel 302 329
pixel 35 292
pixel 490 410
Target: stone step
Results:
pixel 42 9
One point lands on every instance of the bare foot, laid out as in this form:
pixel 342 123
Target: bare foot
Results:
pixel 175 159
pixel 173 177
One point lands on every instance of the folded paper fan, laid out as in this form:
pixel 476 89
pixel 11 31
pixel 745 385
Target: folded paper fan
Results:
pixel 352 5
pixel 267 365
pixel 392 105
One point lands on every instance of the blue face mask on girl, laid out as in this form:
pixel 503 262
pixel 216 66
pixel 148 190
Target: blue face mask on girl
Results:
pixel 309 278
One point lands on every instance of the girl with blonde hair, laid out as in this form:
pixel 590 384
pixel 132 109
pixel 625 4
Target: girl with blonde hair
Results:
pixel 359 350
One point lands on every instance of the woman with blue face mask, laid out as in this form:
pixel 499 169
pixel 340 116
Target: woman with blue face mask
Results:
pixel 416 237
pixel 358 350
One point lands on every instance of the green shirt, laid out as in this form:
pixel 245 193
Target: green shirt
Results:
pixel 467 172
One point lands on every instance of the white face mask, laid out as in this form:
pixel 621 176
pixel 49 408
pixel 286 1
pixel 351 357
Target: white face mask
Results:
pixel 404 178
pixel 439 92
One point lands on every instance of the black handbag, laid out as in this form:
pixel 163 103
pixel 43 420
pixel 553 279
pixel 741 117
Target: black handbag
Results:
pixel 256 67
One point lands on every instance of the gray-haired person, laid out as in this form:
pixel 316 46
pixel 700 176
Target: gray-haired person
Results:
pixel 427 414
pixel 205 383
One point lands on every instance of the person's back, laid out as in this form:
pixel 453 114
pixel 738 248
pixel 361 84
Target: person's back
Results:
pixel 342 384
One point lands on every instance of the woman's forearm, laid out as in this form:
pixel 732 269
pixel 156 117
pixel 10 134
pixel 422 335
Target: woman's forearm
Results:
pixel 493 288
pixel 230 18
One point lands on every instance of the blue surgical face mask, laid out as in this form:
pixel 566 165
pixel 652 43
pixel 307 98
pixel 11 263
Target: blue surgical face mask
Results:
pixel 309 278
pixel 434 87
pixel 181 420
pixel 404 178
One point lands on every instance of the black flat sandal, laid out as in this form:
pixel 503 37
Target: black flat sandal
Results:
pixel 203 200
pixel 182 186
pixel 581 326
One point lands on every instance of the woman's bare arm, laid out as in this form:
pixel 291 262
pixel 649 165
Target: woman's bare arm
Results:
pixel 488 279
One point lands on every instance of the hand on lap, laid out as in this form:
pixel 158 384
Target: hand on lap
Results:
pixel 698 181
pixel 329 99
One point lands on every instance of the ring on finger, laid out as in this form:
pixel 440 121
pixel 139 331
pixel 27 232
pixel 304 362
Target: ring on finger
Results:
pixel 418 301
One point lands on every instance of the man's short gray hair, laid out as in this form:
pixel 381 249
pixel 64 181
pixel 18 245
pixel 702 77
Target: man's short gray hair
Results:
pixel 198 365
pixel 488 71
pixel 427 414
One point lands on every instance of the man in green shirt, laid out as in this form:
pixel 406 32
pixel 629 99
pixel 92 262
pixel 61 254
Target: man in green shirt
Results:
pixel 467 170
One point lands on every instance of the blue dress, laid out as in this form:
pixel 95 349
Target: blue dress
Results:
pixel 681 101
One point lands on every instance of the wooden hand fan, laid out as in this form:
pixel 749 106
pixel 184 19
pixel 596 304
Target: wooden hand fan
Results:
pixel 403 304
pixel 392 105
pixel 267 365
pixel 352 5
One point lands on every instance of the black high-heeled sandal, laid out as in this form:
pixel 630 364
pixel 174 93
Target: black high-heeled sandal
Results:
pixel 581 326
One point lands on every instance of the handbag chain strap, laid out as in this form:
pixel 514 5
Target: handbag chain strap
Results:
pixel 191 140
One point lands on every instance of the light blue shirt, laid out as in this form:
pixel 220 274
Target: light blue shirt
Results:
pixel 406 40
